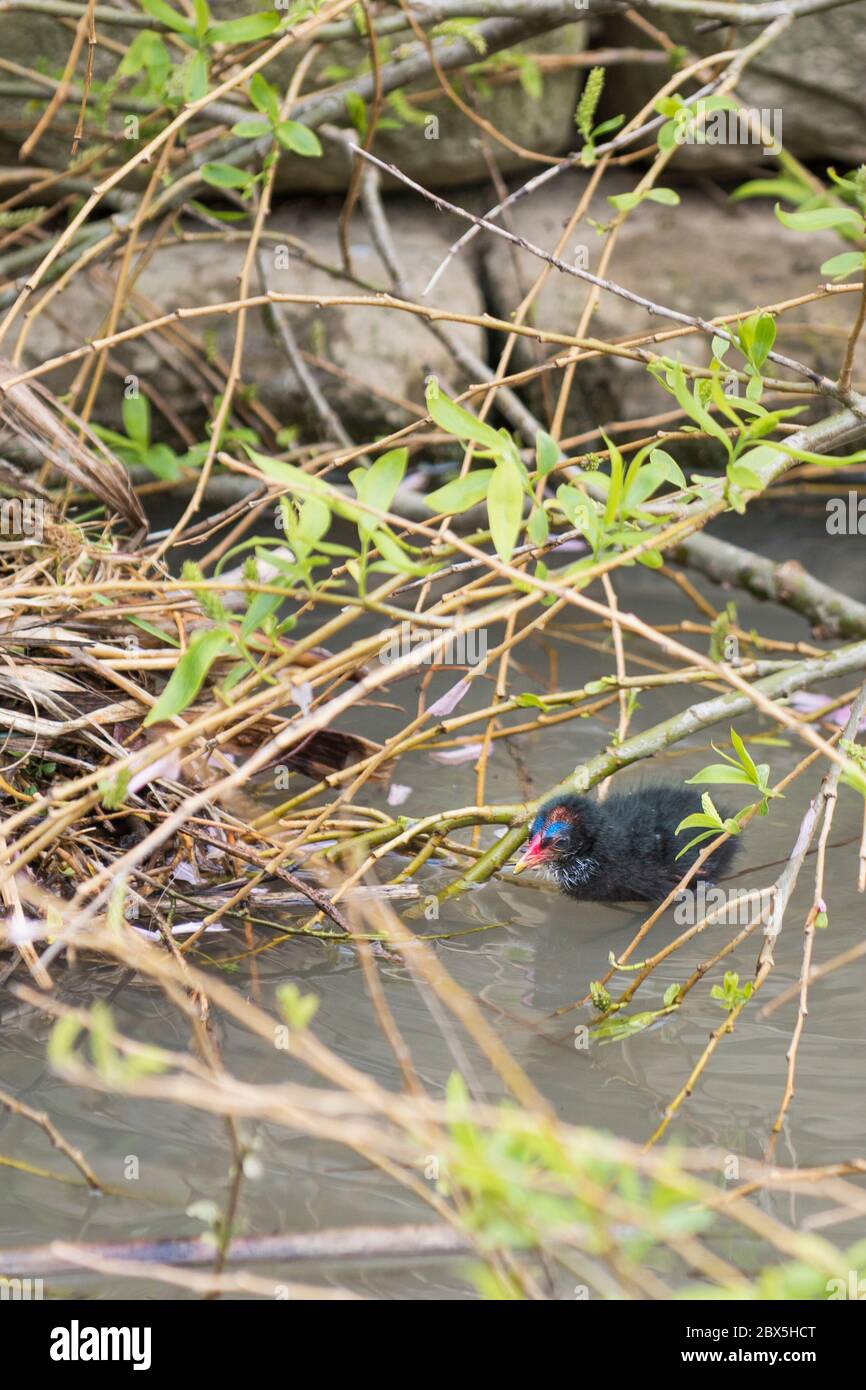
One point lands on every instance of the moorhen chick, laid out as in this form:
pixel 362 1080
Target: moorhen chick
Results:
pixel 623 849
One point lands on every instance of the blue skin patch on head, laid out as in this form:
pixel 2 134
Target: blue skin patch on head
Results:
pixel 550 828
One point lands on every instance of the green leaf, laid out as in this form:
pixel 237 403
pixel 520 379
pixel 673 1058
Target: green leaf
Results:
pixel 188 676
pixel 226 176
pixel 163 462
pixel 394 555
pixel 581 512
pixel 672 471
pixel 531 80
pixel 765 336
pixel 694 407
pixel 505 507
pixel 614 492
pixel 303 484
pixel 744 756
pixel 667 136
pixel 148 54
pixel 770 188
pixel 62 1040
pixel 652 558
pixel 461 494
pixel 314 520
pixel 377 485
pixel 456 1095
pixel 663 195
pixel 826 460
pixel 114 789
pixel 622 1026
pixel 158 9
pixel 145 1063
pixel 624 202
pixel 818 219
pixel 136 418
pixel 716 103
pixel 453 419
pixel 729 994
pixel 847 263
pixel 221 214
pixel 529 701
pixel 547 453
pixel 297 1009
pixel 613 123
pixel 201 11
pixel 698 840
pixel 251 127
pixel 538 529
pixel 259 608
pixel 264 97
pixel 648 478
pixel 147 50
pixel 195 77
pixel 300 483
pixel 356 111
pixel 298 138
pixel 720 772
pixel 744 477
pixel 245 30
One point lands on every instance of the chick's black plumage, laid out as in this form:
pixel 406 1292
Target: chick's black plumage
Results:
pixel 623 849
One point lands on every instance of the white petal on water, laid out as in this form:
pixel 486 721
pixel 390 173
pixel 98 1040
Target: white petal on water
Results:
pixel 465 754
pixel 302 695
pixel 186 872
pixel 23 929
pixel 168 767
pixel 450 700
pixel 806 701
pixel 179 929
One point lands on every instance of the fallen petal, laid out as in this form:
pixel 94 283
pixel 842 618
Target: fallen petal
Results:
pixel 466 754
pixel 397 794
pixel 450 700
pixel 302 695
pixel 168 767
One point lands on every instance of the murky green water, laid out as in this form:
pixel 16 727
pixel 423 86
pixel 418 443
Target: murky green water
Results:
pixel 540 952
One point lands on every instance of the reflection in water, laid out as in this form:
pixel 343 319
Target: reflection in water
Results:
pixel 539 953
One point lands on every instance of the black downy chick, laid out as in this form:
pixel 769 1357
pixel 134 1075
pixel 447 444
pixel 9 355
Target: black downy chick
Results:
pixel 623 849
